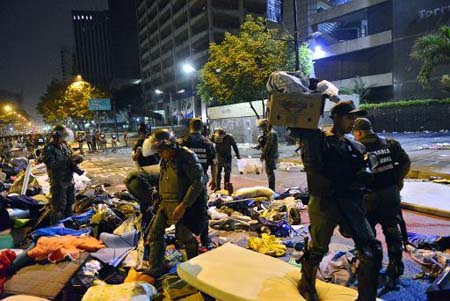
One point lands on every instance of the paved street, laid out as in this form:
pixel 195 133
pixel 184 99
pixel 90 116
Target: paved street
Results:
pixel 112 168
pixel 422 148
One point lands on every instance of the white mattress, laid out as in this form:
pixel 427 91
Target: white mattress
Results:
pixel 232 273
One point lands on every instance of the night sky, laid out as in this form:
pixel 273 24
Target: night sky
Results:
pixel 31 35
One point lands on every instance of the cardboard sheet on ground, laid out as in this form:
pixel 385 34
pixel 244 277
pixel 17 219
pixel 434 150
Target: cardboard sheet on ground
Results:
pixel 427 197
pixel 232 273
pixel 43 280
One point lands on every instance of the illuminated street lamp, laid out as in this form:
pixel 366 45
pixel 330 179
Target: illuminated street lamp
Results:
pixel 77 82
pixel 188 68
pixel 159 92
pixel 7 108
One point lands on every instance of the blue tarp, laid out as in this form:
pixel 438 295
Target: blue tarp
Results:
pixel 59 231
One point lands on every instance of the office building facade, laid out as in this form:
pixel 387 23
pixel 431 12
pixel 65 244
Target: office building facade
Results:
pixel 93 55
pixel 177 32
pixel 373 39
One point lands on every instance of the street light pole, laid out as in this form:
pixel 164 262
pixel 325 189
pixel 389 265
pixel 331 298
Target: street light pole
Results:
pixel 115 116
pixel 297 58
pixel 171 108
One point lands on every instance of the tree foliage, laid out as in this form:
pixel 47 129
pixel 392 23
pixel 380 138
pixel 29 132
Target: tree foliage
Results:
pixel 238 68
pixel 359 87
pixel 51 104
pixel 432 50
pixel 305 59
pixel 62 102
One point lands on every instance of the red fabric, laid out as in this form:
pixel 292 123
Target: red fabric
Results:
pixel 6 259
pixel 57 248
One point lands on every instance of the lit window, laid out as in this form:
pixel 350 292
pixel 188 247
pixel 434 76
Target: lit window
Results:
pixel 91 18
pixel 74 17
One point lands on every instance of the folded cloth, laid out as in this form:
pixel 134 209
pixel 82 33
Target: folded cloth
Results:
pixel 58 248
pixel 6 259
pixel 59 231
pixel 118 247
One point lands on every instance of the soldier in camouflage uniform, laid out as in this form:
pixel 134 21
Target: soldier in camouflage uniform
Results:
pixel 182 190
pixel 60 163
pixel 269 150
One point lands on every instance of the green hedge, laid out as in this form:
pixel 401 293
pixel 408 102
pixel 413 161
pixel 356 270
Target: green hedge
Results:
pixel 404 103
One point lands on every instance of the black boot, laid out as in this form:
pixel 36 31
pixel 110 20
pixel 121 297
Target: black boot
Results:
pixel 368 271
pixel 307 285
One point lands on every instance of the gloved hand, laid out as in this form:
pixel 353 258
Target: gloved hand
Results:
pixel 212 185
pixel 179 211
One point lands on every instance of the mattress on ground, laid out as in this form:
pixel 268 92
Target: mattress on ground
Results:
pixel 43 280
pixel 232 273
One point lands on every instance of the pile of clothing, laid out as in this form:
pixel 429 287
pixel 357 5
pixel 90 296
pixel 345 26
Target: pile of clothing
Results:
pixel 265 215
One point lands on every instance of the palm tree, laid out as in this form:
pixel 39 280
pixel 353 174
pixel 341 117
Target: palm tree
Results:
pixel 432 50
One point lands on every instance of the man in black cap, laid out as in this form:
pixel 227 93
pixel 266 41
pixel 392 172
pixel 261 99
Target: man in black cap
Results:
pixel 336 173
pixel 389 165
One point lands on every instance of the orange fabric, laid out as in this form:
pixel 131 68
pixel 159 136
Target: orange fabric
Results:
pixel 134 275
pixel 57 248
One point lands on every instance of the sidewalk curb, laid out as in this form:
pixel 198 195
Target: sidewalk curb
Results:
pixel 414 173
pixel 425 209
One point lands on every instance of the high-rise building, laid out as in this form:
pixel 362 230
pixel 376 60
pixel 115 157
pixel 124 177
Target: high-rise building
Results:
pixel 92 30
pixel 124 39
pixel 67 63
pixel 177 32
pixel 373 39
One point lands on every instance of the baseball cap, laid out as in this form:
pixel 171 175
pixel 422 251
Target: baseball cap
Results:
pixel 344 107
pixel 362 124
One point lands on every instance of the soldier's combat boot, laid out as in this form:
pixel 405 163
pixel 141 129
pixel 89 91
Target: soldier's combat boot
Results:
pixel 307 285
pixel 368 270
pixel 229 187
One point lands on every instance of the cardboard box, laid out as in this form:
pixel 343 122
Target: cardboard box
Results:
pixel 295 110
